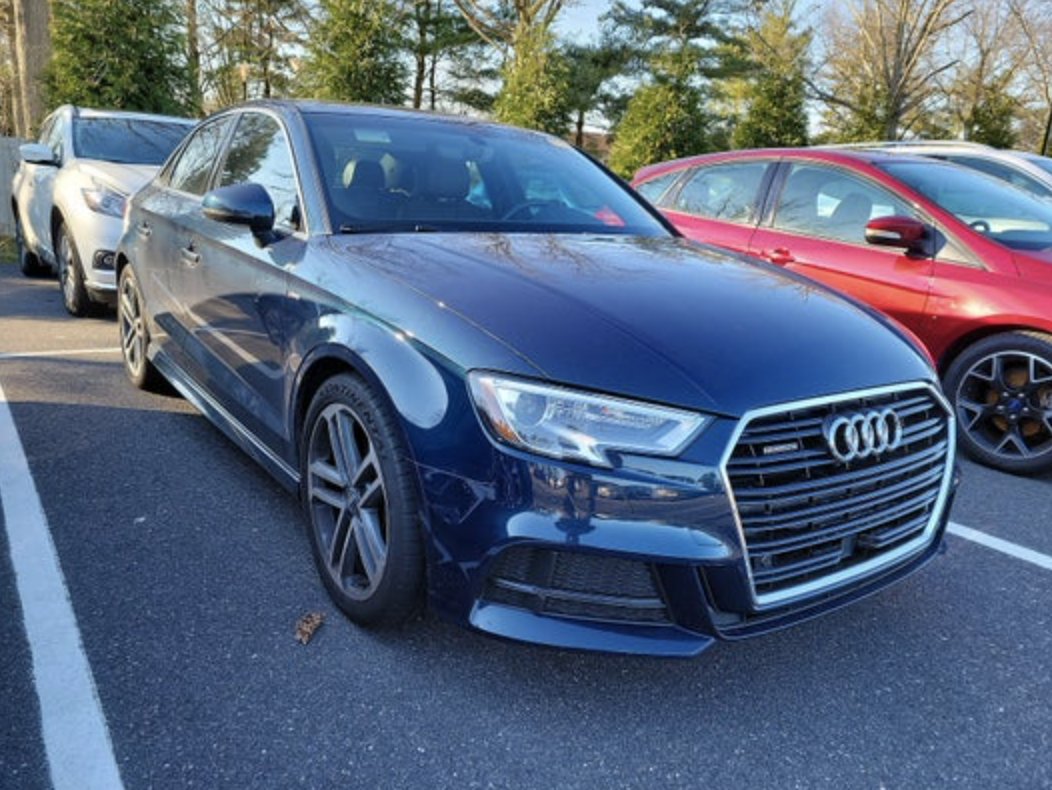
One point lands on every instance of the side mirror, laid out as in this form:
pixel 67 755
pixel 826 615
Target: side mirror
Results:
pixel 904 232
pixel 242 204
pixel 37 154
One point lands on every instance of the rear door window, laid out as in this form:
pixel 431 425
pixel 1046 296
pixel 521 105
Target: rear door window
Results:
pixel 728 192
pixel 653 189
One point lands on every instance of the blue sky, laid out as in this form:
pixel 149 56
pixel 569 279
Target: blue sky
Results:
pixel 580 18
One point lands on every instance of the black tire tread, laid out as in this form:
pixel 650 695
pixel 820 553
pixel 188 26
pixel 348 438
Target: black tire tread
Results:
pixel 82 303
pixel 400 594
pixel 150 379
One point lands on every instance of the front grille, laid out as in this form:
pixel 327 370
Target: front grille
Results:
pixel 810 520
pixel 574 584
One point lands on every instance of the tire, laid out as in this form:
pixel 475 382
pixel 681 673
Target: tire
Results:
pixel 1001 392
pixel 134 337
pixel 362 505
pixel 70 274
pixel 28 263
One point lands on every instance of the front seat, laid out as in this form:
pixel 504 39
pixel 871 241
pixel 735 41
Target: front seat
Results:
pixel 849 218
pixel 365 194
pixel 443 193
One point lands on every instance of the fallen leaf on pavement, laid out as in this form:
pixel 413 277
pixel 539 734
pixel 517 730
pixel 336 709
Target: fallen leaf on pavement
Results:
pixel 307 625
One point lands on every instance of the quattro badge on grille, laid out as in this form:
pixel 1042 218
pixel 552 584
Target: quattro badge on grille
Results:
pixel 781 447
pixel 852 437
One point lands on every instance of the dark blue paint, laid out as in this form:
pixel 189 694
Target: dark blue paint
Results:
pixel 247 329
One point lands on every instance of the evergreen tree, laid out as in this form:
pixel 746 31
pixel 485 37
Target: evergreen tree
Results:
pixel 681 44
pixel 140 65
pixel 354 53
pixel 991 120
pixel 590 67
pixel 663 121
pixel 534 74
pixel 775 93
pixel 534 94
pixel 438 37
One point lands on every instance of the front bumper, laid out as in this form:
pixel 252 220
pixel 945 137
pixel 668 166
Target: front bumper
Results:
pixel 95 236
pixel 646 559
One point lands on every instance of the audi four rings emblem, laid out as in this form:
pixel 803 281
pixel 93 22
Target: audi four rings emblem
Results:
pixel 852 437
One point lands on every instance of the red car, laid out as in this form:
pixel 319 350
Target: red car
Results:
pixel 961 259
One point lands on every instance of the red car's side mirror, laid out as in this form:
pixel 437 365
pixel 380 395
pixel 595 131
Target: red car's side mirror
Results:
pixel 895 231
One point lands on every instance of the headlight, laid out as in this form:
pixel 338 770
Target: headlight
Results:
pixel 105 200
pixel 580 426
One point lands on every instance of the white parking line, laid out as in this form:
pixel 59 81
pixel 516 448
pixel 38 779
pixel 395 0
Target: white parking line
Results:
pixel 1003 546
pixel 72 352
pixel 76 738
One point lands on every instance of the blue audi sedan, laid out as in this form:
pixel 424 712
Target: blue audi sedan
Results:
pixel 505 388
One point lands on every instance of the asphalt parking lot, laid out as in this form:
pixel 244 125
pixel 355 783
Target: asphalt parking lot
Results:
pixel 187 568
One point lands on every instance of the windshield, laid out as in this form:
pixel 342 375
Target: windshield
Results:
pixel 411 174
pixel 998 210
pixel 127 140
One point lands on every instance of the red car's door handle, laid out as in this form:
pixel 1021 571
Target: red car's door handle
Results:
pixel 779 256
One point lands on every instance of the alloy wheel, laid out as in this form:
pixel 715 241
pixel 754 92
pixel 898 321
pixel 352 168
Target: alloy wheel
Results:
pixel 1004 403
pixel 347 501
pixel 65 266
pixel 133 330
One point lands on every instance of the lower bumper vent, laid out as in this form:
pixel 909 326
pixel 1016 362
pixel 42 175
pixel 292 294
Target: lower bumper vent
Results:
pixel 573 584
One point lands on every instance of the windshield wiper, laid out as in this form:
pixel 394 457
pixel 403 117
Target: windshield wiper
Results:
pixel 390 227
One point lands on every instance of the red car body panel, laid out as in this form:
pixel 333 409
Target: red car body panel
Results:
pixel 948 302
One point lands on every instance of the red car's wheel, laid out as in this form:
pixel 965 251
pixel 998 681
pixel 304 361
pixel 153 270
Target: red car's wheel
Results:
pixel 1001 389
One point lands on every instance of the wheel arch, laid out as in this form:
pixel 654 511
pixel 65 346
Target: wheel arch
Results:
pixel 321 364
pixel 57 218
pixel 965 341
pixel 120 260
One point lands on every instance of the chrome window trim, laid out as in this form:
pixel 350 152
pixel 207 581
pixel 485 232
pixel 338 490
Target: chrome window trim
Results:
pixel 802 592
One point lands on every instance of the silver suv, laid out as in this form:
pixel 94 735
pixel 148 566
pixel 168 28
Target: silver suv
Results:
pixel 1030 172
pixel 69 192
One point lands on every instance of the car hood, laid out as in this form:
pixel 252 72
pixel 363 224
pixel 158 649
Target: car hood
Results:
pixel 124 177
pixel 656 318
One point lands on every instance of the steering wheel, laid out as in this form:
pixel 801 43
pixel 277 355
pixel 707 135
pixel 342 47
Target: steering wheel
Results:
pixel 518 208
pixel 980 225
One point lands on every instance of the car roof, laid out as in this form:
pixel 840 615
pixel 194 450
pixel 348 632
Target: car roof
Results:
pixel 829 154
pixel 90 112
pixel 321 107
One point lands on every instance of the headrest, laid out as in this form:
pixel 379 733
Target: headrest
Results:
pixel 854 209
pixel 447 179
pixel 363 174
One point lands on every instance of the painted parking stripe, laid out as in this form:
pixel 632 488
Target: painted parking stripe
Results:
pixel 72 352
pixel 1003 546
pixel 76 738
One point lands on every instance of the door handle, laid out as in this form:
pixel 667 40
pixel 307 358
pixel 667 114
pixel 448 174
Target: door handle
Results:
pixel 778 256
pixel 144 230
pixel 189 255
